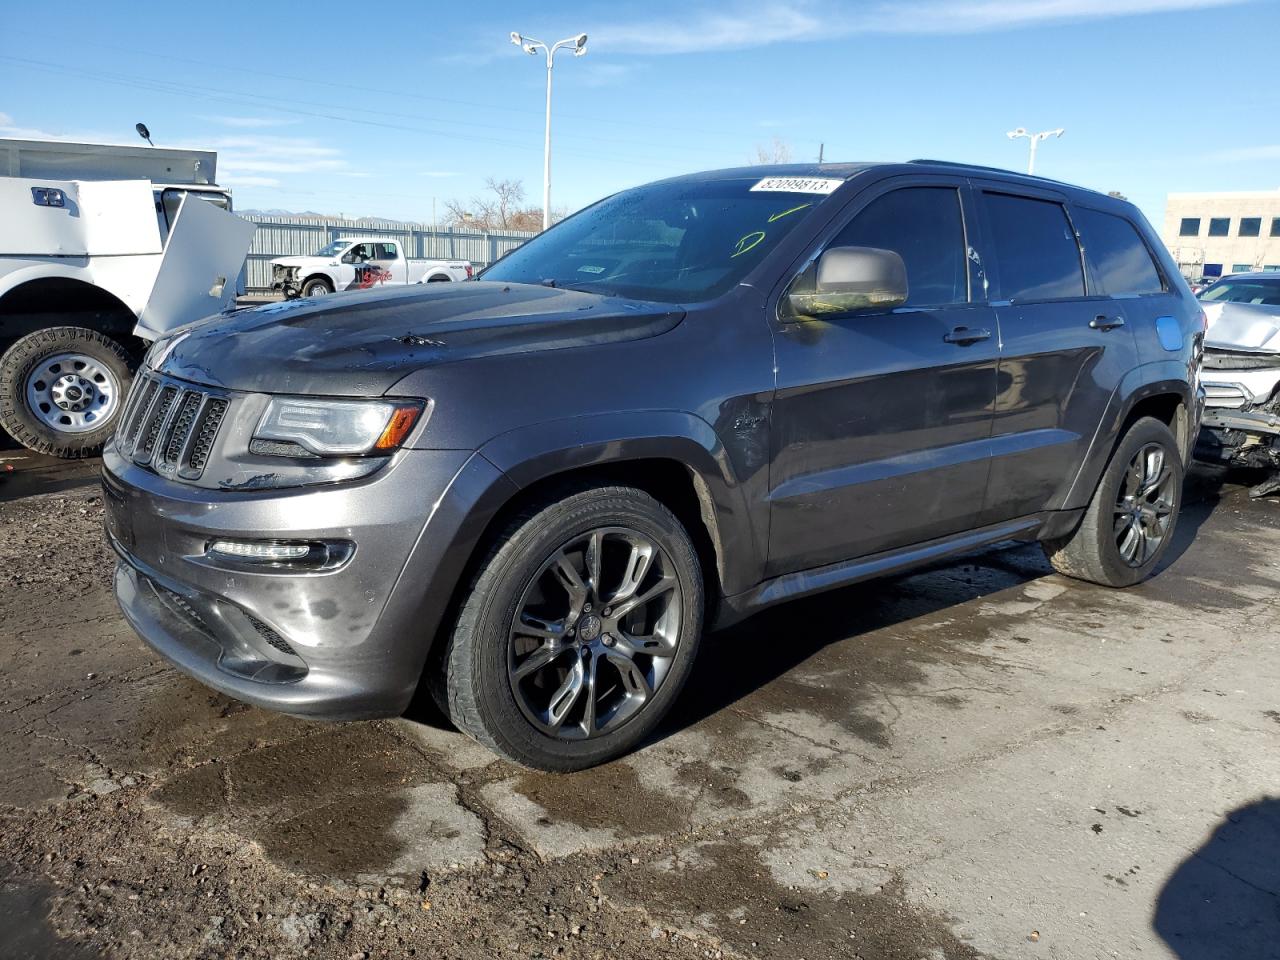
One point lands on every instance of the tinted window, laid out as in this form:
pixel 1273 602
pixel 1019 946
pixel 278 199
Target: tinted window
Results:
pixel 1275 226
pixel 1266 292
pixel 924 226
pixel 386 251
pixel 1190 227
pixel 1035 248
pixel 1119 257
pixel 1219 226
pixel 1250 226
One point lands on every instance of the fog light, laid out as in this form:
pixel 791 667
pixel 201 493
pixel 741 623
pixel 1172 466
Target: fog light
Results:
pixel 249 550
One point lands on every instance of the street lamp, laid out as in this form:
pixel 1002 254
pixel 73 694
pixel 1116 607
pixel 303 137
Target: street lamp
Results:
pixel 531 47
pixel 1035 138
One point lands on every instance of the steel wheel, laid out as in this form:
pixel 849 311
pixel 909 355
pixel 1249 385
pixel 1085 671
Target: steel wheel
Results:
pixel 594 634
pixel 72 393
pixel 1144 507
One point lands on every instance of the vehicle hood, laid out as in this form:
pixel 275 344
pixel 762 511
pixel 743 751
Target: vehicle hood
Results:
pixel 1243 326
pixel 296 261
pixel 360 343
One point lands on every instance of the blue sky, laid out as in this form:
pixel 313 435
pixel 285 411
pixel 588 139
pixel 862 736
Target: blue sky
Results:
pixel 376 110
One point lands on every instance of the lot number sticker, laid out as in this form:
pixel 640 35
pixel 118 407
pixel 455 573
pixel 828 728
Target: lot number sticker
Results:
pixel 823 185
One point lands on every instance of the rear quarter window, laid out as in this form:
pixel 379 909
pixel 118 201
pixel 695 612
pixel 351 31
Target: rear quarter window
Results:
pixel 1120 259
pixel 1035 246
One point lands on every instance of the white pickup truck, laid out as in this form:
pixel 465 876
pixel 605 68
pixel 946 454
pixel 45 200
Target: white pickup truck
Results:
pixel 359 263
pixel 103 249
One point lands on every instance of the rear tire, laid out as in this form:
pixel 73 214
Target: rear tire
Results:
pixel 91 378
pixel 484 681
pixel 1131 519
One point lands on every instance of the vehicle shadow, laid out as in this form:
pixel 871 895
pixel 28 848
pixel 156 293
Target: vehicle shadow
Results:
pixel 734 663
pixel 1221 902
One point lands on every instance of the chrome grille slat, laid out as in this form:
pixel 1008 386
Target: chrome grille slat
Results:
pixel 205 432
pixel 179 434
pixel 140 401
pixel 157 419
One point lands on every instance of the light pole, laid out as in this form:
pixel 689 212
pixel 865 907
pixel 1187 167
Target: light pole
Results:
pixel 1035 138
pixel 531 47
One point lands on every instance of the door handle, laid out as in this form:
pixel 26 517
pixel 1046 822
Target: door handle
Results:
pixel 1103 322
pixel 967 335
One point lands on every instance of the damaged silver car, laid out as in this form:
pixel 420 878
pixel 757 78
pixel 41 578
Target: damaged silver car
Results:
pixel 1241 376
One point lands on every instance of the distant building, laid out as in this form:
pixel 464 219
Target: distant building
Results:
pixel 1213 234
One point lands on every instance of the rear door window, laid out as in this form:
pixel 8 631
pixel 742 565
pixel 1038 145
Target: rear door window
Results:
pixel 1035 248
pixel 1120 259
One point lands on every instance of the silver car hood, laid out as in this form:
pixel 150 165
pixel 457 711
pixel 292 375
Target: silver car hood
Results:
pixel 1243 326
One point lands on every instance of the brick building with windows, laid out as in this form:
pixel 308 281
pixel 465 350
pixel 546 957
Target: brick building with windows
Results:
pixel 1214 234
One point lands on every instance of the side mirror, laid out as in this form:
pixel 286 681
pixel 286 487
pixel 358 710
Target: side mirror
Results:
pixel 847 280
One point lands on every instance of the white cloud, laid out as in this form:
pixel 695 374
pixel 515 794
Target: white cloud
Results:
pixel 232 180
pixel 751 25
pixel 249 123
pixel 598 74
pixel 1269 151
pixel 6 120
pixel 244 154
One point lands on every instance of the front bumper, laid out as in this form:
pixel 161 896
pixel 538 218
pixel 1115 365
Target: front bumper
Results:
pixel 341 643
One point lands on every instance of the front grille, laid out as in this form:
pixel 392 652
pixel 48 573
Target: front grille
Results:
pixel 1217 359
pixel 170 426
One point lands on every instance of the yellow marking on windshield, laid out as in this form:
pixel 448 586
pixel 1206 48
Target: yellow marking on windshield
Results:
pixel 749 242
pixel 779 216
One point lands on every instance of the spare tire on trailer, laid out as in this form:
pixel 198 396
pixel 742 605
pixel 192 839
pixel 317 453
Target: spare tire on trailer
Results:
pixel 62 390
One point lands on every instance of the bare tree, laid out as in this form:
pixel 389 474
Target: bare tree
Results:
pixel 779 151
pixel 508 195
pixel 501 208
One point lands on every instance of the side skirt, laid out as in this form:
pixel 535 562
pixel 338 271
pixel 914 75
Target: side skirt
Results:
pixel 804 583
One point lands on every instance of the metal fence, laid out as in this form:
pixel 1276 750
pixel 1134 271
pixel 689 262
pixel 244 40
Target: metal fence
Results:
pixel 302 236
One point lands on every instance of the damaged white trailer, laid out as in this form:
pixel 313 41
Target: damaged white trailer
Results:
pixel 103 249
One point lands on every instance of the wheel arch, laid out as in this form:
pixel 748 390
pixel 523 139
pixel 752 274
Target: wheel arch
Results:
pixel 1160 390
pixel 675 457
pixel 318 275
pixel 43 298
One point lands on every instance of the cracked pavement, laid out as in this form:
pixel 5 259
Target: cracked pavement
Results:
pixel 982 759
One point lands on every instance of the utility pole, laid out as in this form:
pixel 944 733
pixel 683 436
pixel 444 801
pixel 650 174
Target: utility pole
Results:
pixel 821 148
pixel 531 47
pixel 1035 139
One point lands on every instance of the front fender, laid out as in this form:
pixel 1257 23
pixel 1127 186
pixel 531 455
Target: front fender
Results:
pixel 533 453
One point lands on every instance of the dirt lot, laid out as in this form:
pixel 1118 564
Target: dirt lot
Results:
pixel 984 759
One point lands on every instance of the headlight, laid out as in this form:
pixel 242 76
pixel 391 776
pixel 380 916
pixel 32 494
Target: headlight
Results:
pixel 303 427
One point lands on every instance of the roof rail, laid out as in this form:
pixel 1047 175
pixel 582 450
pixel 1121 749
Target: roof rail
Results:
pixel 1005 171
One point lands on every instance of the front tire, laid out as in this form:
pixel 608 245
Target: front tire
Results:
pixel 1130 521
pixel 317 287
pixel 578 631
pixel 62 390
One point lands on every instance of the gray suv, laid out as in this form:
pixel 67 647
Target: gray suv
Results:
pixel 685 403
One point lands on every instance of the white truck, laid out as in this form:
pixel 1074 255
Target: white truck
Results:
pixel 359 263
pixel 103 248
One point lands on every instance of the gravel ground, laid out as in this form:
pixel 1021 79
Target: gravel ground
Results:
pixel 984 759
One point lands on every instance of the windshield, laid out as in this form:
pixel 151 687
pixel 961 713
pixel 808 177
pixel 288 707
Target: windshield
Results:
pixel 679 242
pixel 333 249
pixel 1244 291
